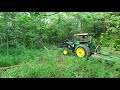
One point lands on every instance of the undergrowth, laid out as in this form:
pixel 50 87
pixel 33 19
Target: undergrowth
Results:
pixel 42 63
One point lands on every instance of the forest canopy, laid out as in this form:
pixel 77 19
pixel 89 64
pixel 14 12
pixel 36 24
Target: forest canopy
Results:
pixel 31 29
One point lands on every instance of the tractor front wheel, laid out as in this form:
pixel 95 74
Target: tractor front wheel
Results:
pixel 82 51
pixel 65 52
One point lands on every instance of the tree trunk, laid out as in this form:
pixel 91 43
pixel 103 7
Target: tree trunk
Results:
pixel 81 31
pixel 7 42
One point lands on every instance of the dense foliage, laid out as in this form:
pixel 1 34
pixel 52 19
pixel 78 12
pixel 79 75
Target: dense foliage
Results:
pixel 24 34
pixel 32 29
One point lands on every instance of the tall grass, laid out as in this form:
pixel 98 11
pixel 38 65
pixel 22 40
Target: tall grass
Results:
pixel 52 64
pixel 18 56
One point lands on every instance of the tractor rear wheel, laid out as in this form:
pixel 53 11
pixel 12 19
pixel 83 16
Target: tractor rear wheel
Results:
pixel 82 51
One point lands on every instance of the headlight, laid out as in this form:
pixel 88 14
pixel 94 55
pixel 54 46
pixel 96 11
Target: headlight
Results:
pixel 73 45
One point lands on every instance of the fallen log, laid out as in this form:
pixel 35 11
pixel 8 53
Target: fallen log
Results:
pixel 9 67
pixel 14 66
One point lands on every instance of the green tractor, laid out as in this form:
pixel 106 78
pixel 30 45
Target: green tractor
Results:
pixel 83 45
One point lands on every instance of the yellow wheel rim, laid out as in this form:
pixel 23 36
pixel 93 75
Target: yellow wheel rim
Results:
pixel 68 46
pixel 80 52
pixel 65 52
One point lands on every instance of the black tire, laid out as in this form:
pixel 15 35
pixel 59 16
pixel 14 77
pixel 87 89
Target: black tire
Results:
pixel 86 49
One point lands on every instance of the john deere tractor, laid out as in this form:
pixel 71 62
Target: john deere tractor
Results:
pixel 83 45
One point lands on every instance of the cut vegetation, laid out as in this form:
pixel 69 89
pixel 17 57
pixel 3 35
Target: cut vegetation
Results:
pixel 29 45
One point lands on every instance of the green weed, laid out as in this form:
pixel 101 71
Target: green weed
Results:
pixel 52 64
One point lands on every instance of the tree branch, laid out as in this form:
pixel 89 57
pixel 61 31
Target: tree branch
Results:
pixel 50 14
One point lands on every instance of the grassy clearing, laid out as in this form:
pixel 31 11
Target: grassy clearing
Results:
pixel 23 56
pixel 52 64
